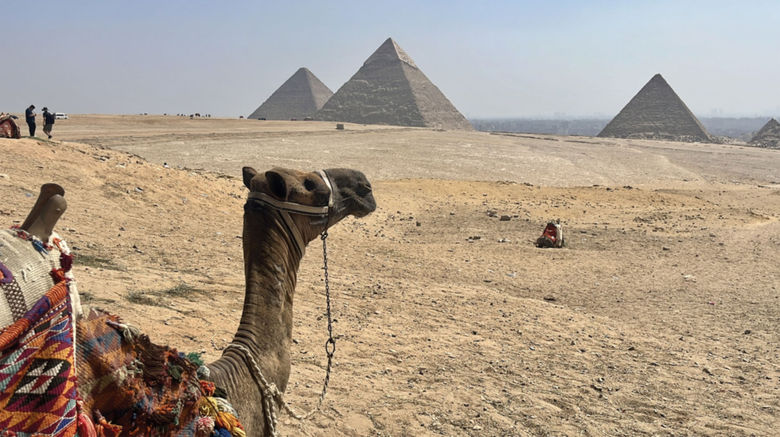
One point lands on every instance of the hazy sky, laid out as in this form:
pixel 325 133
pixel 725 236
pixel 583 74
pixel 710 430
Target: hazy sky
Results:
pixel 491 59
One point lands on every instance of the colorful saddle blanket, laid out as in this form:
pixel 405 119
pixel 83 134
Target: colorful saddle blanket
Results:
pixel 29 268
pixel 95 378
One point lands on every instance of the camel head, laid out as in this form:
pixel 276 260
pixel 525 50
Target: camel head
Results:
pixel 316 200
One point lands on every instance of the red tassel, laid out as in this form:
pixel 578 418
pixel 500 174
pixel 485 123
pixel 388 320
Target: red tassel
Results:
pixel 85 426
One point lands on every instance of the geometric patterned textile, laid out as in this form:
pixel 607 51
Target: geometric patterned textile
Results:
pixel 37 370
pixel 28 269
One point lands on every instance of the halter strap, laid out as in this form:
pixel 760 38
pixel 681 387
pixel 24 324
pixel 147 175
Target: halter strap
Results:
pixel 285 208
pixel 289 206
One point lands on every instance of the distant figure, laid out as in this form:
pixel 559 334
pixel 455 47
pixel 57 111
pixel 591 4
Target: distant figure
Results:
pixel 48 121
pixel 29 116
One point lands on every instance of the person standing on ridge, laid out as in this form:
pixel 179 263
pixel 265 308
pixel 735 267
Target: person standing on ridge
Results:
pixel 48 121
pixel 29 116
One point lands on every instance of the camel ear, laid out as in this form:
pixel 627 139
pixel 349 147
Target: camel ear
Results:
pixel 276 184
pixel 249 173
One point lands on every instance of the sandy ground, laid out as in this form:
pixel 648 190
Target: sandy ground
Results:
pixel 661 317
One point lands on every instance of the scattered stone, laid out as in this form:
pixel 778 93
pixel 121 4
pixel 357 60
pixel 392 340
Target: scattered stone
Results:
pixel 492 213
pixel 666 248
pixel 505 218
pixel 550 298
pixel 139 189
pixel 747 331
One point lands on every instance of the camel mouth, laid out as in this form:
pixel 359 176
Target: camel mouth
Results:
pixel 367 205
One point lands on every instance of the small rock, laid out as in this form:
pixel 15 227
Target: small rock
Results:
pixel 419 224
pixel 747 331
pixel 550 298
pixel 505 218
pixel 666 248
pixel 139 189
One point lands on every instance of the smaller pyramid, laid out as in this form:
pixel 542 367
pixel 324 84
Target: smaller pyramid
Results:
pixel 656 112
pixel 390 89
pixel 299 97
pixel 768 136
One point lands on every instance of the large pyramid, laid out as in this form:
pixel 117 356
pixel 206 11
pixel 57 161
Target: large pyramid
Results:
pixel 390 89
pixel 656 112
pixel 768 136
pixel 300 97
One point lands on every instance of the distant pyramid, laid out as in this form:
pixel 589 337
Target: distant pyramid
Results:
pixel 768 136
pixel 300 97
pixel 390 89
pixel 656 112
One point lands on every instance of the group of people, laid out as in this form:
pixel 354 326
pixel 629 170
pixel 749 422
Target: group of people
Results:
pixel 48 120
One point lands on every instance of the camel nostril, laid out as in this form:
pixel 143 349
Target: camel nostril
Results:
pixel 309 185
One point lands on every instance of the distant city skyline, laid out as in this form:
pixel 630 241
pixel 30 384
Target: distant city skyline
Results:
pixel 501 59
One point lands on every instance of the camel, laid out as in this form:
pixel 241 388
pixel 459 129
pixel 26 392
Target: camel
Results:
pixel 273 248
pixel 285 210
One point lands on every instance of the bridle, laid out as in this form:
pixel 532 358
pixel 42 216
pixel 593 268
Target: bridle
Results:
pixel 284 209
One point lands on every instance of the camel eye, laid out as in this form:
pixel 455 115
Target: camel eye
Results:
pixel 309 185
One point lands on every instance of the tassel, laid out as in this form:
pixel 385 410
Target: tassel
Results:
pixel 204 427
pixel 84 424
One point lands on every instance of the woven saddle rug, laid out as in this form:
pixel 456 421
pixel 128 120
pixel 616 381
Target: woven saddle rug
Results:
pixel 37 372
pixel 29 268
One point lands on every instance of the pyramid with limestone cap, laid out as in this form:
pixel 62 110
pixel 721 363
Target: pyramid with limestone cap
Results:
pixel 768 136
pixel 390 89
pixel 656 112
pixel 299 97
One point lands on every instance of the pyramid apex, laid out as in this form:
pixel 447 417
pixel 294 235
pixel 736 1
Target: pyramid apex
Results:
pixel 390 51
pixel 657 78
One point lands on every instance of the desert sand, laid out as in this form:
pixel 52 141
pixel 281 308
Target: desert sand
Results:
pixel 660 317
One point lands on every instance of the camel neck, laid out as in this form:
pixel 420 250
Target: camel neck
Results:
pixel 270 267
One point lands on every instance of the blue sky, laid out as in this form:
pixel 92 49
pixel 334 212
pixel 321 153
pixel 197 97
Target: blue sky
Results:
pixel 491 59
